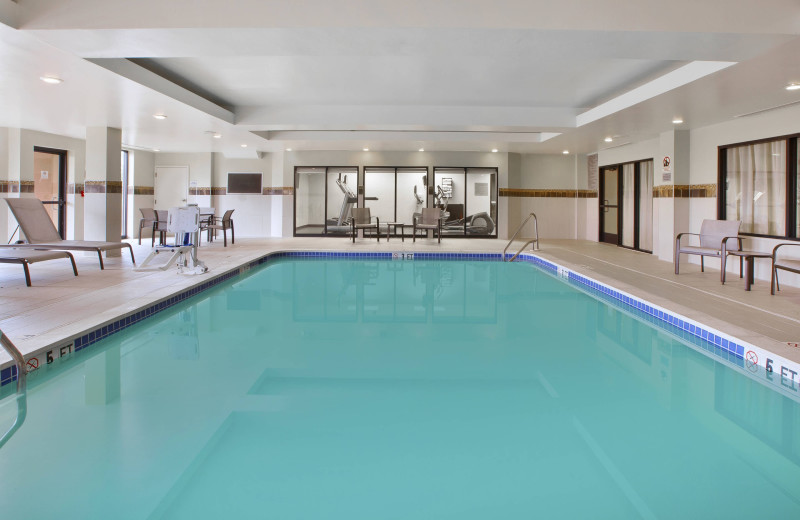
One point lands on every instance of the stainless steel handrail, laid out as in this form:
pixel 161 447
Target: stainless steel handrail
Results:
pixel 534 240
pixel 21 397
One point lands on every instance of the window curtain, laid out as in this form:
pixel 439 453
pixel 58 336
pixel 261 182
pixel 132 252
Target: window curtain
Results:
pixel 646 205
pixel 755 190
pixel 628 204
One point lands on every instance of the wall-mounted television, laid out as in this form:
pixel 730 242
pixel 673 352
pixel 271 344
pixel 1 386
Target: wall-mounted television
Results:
pixel 244 183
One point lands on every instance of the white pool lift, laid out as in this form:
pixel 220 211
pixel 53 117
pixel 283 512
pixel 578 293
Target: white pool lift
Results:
pixel 185 224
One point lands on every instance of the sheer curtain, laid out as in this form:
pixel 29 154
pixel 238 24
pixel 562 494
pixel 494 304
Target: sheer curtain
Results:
pixel 628 204
pixel 755 191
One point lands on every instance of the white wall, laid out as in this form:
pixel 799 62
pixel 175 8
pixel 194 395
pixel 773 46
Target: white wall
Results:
pixel 252 215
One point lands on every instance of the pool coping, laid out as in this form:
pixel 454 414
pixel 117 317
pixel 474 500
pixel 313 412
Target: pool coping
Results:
pixel 721 346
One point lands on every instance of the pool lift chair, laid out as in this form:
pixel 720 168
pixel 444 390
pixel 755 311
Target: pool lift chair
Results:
pixel 185 224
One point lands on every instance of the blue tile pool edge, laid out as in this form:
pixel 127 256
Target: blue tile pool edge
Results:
pixel 780 372
pixel 743 352
pixel 75 343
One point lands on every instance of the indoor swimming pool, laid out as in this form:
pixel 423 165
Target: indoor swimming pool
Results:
pixel 374 388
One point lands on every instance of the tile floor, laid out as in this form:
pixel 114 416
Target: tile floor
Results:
pixel 60 306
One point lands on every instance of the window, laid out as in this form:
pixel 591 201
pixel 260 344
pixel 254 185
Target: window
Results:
pixel 758 185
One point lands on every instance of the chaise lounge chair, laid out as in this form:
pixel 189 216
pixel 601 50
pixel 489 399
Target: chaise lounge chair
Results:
pixel 41 233
pixel 716 238
pixel 9 255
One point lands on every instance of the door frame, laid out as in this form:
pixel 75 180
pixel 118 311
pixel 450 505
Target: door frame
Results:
pixel 62 186
pixel 602 207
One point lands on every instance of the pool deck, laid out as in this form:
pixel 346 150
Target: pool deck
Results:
pixel 60 306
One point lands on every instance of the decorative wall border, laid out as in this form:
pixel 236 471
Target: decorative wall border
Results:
pixel 102 186
pixel 16 186
pixel 778 371
pixel 685 191
pixel 548 193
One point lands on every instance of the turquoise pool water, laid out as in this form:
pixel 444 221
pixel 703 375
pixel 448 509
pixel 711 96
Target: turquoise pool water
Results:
pixel 398 390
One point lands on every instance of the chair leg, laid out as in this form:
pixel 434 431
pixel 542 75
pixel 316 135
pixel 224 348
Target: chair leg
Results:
pixel 27 273
pixel 100 257
pixel 233 235
pixel 140 232
pixel 741 259
pixel 74 267
pixel 772 280
pixel 724 263
pixel 130 250
pixel 702 267
pixel 224 237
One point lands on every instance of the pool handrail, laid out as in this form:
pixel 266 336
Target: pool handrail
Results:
pixel 21 397
pixel 534 240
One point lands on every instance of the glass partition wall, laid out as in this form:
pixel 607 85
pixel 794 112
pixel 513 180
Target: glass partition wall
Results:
pixel 395 195
pixel 324 197
pixel 468 200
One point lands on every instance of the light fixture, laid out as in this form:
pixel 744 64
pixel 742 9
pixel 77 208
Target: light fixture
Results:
pixel 52 80
pixel 790 86
pixel 422 149
pixel 288 149
pixel 608 139
pixel 159 116
pixel 366 149
pixel 565 152
pixel 156 149
pixel 494 150
pixel 217 135
pixel 677 121
pixel 244 146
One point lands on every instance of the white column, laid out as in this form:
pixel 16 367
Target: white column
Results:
pixel 103 186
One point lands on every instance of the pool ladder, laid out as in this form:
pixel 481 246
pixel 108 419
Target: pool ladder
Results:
pixel 534 240
pixel 21 397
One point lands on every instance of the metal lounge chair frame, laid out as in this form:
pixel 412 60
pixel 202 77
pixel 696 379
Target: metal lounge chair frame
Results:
pixel 714 241
pixel 787 264
pixel 42 234
pixel 25 256
pixel 431 219
pixel 361 219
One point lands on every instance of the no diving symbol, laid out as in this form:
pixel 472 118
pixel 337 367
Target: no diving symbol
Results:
pixel 752 361
pixel 33 363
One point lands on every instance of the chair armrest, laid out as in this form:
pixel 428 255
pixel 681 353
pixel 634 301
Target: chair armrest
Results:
pixel 775 249
pixel 724 243
pixel 678 237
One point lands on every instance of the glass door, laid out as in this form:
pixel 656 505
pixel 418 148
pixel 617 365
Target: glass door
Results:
pixel 340 198
pixel 49 184
pixel 379 194
pixel 481 203
pixel 645 227
pixel 609 204
pixel 309 202
pixel 412 189
pixel 450 186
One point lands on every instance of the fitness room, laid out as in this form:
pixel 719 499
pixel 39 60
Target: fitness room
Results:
pixel 325 196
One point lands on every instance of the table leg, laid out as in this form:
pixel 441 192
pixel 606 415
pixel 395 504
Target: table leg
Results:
pixel 402 232
pixel 749 272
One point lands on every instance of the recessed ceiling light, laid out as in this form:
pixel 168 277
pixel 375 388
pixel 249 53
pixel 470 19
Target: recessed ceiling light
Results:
pixel 53 80
pixel 422 149
pixel 366 149
pixel 217 135
pixel 288 149
pixel 156 149
pixel 159 116
pixel 494 150
pixel 565 152
pixel 677 121
pixel 608 139
pixel 790 86
pixel 244 146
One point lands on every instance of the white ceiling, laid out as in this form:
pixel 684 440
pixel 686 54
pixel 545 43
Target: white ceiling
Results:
pixel 438 74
